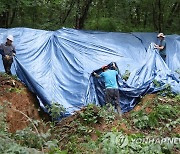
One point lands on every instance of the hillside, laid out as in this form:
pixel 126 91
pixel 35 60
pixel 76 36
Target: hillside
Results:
pixel 152 127
pixel 20 102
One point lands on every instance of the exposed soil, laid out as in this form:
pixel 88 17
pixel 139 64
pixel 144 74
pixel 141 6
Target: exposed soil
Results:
pixel 21 104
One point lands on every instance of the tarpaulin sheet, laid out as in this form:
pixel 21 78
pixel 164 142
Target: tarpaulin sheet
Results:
pixel 57 65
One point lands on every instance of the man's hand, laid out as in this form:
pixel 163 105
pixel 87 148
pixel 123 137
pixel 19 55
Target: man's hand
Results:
pixel 156 46
pixel 96 75
pixel 114 65
pixel 7 57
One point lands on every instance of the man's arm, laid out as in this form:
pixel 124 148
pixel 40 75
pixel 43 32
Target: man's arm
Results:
pixel 158 47
pixel 14 51
pixel 114 65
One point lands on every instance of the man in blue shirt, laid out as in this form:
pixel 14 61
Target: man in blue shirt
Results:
pixel 112 91
pixel 161 45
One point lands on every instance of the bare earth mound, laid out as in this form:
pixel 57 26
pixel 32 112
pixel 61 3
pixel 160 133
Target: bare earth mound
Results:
pixel 21 104
pixel 154 115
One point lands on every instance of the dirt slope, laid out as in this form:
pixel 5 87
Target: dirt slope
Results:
pixel 21 104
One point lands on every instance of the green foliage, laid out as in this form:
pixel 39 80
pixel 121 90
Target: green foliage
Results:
pixel 7 143
pixel 4 75
pixel 156 83
pixel 140 119
pixel 56 110
pixel 167 91
pixel 28 137
pixel 53 147
pixel 104 24
pixel 105 15
pixel 178 71
pixel 89 115
pixel 94 114
pixel 14 89
pixel 159 116
pixel 126 75
pixel 81 128
pixel 177 98
pixel 107 113
pixel 165 111
pixel 3 110
pixel 117 142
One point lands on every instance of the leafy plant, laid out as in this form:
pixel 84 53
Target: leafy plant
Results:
pixel 178 71
pixel 7 142
pixel 107 113
pixel 165 111
pixel 167 91
pixel 161 114
pixel 17 90
pixel 126 75
pixel 117 142
pixel 89 115
pixel 56 110
pixel 177 98
pixel 53 147
pixel 140 119
pixel 156 83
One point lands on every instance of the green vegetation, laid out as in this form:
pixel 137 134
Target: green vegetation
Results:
pixel 56 110
pixel 161 114
pixel 104 15
pixel 14 89
pixel 152 129
pixel 126 75
pixel 146 130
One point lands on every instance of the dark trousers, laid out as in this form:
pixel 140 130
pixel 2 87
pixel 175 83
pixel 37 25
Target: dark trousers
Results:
pixel 112 97
pixel 7 65
pixel 164 57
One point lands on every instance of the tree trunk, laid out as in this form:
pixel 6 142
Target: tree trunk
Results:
pixel 68 11
pixel 160 21
pixel 82 14
pixel 12 17
pixel 155 16
pixel 145 20
pixel 174 11
pixel 3 21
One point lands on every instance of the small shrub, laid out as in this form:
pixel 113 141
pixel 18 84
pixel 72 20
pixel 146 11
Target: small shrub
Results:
pixel 107 114
pixel 89 115
pixel 56 110
pixel 167 91
pixel 126 75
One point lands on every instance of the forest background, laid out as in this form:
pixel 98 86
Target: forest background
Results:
pixel 103 15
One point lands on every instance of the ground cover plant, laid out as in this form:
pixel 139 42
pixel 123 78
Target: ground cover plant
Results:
pixel 153 126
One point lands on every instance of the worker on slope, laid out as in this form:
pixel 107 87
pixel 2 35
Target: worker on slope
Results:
pixel 8 51
pixel 161 45
pixel 111 85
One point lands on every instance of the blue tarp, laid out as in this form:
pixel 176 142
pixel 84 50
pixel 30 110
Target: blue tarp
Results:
pixel 57 65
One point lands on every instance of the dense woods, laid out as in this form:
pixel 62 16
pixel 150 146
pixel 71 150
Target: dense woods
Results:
pixel 105 15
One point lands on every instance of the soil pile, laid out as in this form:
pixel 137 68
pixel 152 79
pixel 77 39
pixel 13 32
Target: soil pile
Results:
pixel 20 103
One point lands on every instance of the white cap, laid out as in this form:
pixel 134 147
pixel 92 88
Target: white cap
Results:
pixel 10 37
pixel 161 35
